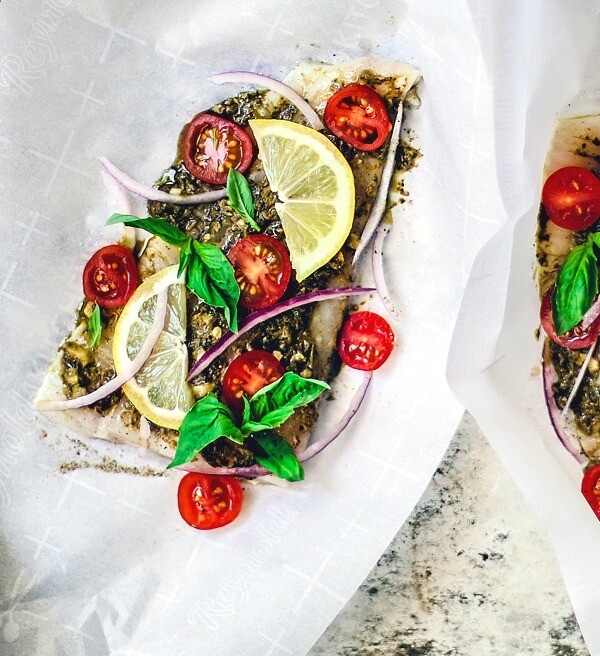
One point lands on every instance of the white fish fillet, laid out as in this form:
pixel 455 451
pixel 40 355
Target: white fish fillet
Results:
pixel 313 80
pixel 575 142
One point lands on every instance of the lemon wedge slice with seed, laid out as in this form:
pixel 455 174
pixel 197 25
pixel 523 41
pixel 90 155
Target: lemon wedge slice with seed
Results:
pixel 315 189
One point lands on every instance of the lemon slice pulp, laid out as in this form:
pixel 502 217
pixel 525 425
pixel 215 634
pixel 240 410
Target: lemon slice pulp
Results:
pixel 159 391
pixel 315 187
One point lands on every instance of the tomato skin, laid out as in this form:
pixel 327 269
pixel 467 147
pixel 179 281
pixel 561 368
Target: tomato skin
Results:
pixel 206 501
pixel 263 277
pixel 571 339
pixel 590 488
pixel 111 276
pixel 571 197
pixel 211 145
pixel 366 341
pixel 246 375
pixel 357 114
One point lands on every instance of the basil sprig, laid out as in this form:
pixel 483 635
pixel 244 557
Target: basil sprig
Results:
pixel 272 452
pixel 275 403
pixel 95 326
pixel 240 197
pixel 209 273
pixel 206 422
pixel 576 285
pixel 209 419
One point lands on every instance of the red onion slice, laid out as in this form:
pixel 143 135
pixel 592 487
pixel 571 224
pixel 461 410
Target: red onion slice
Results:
pixel 257 80
pixel 260 316
pixel 150 193
pixel 123 204
pixel 378 272
pixel 118 381
pixel 355 403
pixel 591 315
pixel 564 432
pixel 579 378
pixel 310 452
pixel 202 467
pixel 380 203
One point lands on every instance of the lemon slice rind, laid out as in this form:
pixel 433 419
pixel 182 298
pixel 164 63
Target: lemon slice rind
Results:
pixel 159 391
pixel 315 187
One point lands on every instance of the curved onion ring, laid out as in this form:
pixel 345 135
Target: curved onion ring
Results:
pixel 563 431
pixel 378 272
pixel 132 369
pixel 591 315
pixel 259 316
pixel 308 453
pixel 380 203
pixel 579 379
pixel 257 80
pixel 123 204
pixel 150 193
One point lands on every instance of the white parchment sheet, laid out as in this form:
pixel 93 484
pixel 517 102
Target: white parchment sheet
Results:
pixel 97 563
pixel 540 56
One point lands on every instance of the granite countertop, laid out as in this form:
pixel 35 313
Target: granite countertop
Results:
pixel 471 573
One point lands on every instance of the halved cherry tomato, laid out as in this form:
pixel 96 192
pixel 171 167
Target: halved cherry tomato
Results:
pixel 248 373
pixel 206 501
pixel 357 114
pixel 212 145
pixel 590 488
pixel 366 341
pixel 575 338
pixel 571 197
pixel 262 270
pixel 111 276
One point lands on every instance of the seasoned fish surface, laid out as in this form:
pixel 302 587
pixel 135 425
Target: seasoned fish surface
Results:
pixel 303 339
pixel 575 142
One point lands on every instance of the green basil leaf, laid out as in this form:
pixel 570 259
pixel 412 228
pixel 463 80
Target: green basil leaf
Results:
pixel 159 227
pixel 95 326
pixel 184 257
pixel 209 274
pixel 576 287
pixel 276 402
pixel 275 454
pixel 207 421
pixel 240 197
pixel 211 277
pixel 246 413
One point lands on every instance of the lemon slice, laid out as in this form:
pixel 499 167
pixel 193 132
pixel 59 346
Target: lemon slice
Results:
pixel 315 187
pixel 159 390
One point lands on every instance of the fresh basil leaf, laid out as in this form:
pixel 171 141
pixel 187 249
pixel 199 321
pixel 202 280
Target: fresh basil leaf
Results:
pixel 211 277
pixel 159 227
pixel 276 402
pixel 576 287
pixel 184 257
pixel 95 326
pixel 209 274
pixel 240 197
pixel 207 421
pixel 275 454
pixel 246 413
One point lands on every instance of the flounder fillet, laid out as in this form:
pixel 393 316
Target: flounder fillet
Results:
pixel 575 142
pixel 304 339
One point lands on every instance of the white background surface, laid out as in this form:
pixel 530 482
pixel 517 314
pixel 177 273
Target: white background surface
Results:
pixel 94 563
pixel 540 54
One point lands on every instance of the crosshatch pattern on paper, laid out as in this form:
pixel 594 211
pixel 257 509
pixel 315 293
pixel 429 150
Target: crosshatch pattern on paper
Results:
pixel 97 563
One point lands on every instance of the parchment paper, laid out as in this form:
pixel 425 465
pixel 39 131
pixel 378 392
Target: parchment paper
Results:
pixel 540 55
pixel 97 563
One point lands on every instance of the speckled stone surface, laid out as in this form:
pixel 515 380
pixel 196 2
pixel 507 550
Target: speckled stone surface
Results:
pixel 471 573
